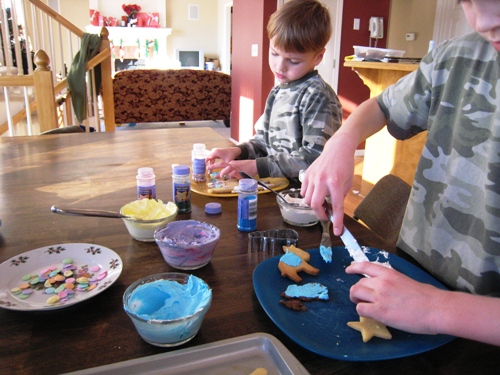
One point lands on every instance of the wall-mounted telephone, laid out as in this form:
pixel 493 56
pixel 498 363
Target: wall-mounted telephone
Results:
pixel 376 27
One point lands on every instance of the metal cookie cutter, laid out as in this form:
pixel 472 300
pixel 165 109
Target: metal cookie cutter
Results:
pixel 272 240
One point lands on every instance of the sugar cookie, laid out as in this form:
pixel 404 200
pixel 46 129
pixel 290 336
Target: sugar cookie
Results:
pixel 369 328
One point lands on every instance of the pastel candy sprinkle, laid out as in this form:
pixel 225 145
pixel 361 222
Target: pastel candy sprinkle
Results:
pixel 53 299
pixel 60 283
pixel 95 268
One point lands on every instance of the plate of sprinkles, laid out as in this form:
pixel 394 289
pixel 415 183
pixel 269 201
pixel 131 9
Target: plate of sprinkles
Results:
pixel 57 276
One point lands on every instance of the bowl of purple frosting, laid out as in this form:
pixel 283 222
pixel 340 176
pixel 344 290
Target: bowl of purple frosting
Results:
pixel 187 244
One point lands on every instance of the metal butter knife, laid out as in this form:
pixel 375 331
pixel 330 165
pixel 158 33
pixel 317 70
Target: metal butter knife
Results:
pixel 352 245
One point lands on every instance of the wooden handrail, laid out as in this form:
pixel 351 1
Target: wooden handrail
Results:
pixel 16 81
pixel 42 82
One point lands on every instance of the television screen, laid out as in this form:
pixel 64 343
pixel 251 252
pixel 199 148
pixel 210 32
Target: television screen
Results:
pixel 191 59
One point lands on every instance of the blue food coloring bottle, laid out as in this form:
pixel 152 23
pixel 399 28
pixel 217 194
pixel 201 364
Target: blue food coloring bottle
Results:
pixel 247 205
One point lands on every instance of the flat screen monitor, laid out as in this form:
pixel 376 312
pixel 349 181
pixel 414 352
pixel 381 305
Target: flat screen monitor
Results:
pixel 190 59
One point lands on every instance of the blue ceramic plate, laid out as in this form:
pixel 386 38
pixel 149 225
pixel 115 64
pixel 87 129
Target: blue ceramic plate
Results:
pixel 323 328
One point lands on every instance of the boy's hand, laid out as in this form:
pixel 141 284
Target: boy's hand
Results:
pixel 233 168
pixel 224 154
pixel 395 299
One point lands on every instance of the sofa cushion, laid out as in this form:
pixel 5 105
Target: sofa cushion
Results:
pixel 151 95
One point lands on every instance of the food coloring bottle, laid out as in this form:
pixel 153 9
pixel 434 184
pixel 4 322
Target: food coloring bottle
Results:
pixel 199 154
pixel 146 187
pixel 181 188
pixel 247 205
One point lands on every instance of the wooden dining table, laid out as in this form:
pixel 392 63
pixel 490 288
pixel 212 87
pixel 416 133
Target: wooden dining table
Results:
pixel 98 170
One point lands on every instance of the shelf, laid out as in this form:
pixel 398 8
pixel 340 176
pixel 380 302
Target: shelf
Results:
pixel 131 32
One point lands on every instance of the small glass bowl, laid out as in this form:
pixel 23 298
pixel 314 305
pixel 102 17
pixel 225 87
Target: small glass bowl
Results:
pixel 168 332
pixel 298 214
pixel 187 244
pixel 143 230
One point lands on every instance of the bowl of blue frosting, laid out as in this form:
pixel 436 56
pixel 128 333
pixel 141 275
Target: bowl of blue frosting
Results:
pixel 167 309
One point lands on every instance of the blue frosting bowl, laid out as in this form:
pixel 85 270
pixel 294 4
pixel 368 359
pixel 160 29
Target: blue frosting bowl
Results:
pixel 167 309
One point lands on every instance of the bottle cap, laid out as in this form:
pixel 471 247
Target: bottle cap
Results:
pixel 213 208
pixel 181 170
pixel 145 172
pixel 247 184
pixel 199 146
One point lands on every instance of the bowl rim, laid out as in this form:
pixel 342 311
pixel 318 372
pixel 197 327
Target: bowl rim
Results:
pixel 158 230
pixel 141 221
pixel 297 206
pixel 161 276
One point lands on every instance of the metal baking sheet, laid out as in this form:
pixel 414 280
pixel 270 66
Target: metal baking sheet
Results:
pixel 239 355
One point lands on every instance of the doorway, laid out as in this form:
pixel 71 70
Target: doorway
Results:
pixel 329 67
pixel 227 38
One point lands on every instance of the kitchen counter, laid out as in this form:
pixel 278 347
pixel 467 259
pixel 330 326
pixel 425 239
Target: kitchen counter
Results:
pixel 383 153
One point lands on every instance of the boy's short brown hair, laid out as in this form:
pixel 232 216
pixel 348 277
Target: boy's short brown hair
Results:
pixel 300 26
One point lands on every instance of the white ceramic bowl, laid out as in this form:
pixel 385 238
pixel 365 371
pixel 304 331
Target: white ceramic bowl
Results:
pixel 298 214
pixel 167 309
pixel 187 244
pixel 143 230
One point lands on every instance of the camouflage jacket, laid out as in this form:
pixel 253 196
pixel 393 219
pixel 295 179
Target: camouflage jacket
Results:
pixel 452 223
pixel 298 119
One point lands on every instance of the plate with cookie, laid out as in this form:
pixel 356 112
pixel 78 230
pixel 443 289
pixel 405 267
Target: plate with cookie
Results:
pixel 228 187
pixel 319 322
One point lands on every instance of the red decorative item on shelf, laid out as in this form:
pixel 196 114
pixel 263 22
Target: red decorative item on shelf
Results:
pixel 148 19
pixel 94 17
pixel 131 9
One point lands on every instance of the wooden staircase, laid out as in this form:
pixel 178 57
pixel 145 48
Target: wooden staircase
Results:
pixel 34 98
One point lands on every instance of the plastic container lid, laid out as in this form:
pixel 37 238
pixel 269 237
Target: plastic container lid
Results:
pixel 181 170
pixel 247 184
pixel 213 208
pixel 146 172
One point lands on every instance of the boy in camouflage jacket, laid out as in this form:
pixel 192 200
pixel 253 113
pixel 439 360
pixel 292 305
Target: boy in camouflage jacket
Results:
pixel 452 222
pixel 302 112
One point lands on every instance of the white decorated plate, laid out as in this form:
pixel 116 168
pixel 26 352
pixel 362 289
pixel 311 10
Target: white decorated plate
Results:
pixel 101 266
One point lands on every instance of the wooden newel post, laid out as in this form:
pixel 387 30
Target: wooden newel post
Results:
pixel 44 92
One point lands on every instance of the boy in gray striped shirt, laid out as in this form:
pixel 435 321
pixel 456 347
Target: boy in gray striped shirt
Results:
pixel 302 112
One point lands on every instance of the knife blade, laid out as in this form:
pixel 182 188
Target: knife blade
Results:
pixel 352 245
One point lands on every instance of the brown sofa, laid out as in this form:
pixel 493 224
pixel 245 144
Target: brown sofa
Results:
pixel 151 95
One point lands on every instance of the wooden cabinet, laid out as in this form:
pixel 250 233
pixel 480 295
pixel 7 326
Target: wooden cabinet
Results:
pixel 383 153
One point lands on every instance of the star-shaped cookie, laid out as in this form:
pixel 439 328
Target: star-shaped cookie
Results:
pixel 369 328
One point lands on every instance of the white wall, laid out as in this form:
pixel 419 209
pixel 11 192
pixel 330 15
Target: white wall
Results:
pixel 411 16
pixel 195 34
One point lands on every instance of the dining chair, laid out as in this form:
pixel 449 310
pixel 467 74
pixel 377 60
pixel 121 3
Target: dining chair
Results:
pixel 65 129
pixel 383 208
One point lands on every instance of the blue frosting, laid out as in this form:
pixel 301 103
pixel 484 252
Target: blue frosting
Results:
pixel 291 259
pixel 326 253
pixel 167 300
pixel 310 290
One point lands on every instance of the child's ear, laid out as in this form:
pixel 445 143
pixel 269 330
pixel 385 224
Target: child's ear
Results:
pixel 319 57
